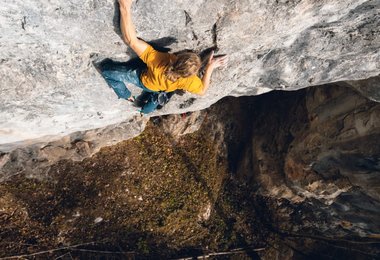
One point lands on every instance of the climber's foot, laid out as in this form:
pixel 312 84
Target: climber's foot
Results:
pixel 131 99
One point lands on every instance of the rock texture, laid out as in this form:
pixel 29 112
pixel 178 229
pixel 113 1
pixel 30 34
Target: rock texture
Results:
pixel 312 159
pixel 315 162
pixel 50 88
pixel 35 159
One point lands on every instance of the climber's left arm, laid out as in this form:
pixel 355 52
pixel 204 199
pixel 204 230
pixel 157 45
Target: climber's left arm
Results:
pixel 213 63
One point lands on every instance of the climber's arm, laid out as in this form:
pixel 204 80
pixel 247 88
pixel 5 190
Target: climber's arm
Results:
pixel 128 29
pixel 206 79
pixel 212 64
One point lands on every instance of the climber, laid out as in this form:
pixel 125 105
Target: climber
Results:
pixel 164 72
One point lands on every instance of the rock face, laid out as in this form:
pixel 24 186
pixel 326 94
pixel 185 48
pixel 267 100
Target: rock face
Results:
pixel 50 88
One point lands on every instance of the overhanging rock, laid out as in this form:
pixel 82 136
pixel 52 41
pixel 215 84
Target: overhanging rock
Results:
pixel 49 86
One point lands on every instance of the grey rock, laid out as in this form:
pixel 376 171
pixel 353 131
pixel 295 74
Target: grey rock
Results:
pixel 50 88
pixel 367 87
pixel 35 159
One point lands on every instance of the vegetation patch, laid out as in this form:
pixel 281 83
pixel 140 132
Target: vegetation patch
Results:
pixel 153 195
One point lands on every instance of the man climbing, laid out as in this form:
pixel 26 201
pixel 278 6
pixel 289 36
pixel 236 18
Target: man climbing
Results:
pixel 165 72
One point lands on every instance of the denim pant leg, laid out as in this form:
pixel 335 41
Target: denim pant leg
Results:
pixel 117 75
pixel 150 105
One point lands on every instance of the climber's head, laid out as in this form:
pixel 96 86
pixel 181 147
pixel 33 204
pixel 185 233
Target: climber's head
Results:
pixel 186 65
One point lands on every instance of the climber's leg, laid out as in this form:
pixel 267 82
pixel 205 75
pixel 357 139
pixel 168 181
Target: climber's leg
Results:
pixel 115 80
pixel 150 105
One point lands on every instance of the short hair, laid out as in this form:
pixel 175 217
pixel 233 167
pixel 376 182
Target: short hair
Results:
pixel 186 65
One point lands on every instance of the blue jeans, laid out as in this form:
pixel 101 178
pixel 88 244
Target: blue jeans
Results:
pixel 118 74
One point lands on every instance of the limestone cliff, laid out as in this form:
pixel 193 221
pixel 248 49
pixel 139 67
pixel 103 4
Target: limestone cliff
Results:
pixel 50 88
pixel 282 175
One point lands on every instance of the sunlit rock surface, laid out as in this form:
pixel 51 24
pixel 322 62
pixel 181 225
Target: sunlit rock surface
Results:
pixel 49 86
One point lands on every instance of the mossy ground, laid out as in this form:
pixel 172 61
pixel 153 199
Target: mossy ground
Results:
pixel 152 195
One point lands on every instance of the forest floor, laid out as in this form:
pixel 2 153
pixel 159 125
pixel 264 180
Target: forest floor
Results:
pixel 151 196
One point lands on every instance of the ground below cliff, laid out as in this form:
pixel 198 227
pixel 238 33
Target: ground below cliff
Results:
pixel 153 195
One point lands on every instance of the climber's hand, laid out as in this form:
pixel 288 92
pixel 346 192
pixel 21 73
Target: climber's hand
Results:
pixel 125 4
pixel 216 62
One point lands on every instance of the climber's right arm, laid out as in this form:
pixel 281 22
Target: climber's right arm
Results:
pixel 128 29
pixel 213 63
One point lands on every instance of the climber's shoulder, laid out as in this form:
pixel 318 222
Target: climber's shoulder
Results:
pixel 139 46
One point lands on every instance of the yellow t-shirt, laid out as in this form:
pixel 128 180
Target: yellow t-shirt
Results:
pixel 154 79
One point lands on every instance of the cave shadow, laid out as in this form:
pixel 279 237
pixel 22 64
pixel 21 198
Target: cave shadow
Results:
pixel 270 118
pixel 263 117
